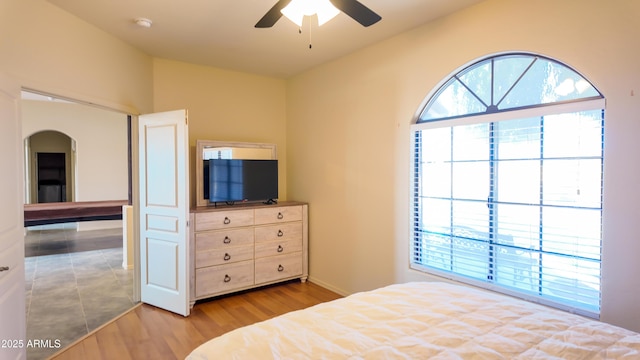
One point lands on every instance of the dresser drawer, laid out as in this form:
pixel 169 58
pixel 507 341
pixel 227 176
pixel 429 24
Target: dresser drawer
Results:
pixel 278 214
pixel 224 256
pixel 278 267
pixel 224 278
pixel 222 239
pixel 234 248
pixel 215 220
pixel 279 232
pixel 272 248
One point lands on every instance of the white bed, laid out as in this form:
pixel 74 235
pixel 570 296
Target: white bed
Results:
pixel 425 320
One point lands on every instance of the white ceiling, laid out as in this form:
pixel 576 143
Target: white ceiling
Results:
pixel 221 33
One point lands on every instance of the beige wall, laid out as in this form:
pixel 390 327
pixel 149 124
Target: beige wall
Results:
pixel 101 145
pixel 226 106
pixel 346 136
pixel 349 132
pixel 47 49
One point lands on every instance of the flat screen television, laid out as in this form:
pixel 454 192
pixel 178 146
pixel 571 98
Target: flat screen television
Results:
pixel 236 180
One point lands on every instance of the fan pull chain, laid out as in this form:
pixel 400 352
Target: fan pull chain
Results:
pixel 309 24
pixel 300 32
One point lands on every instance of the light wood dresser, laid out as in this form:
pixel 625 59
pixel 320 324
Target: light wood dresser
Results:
pixel 238 247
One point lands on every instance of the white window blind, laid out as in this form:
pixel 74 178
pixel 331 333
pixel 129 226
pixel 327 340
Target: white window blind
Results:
pixel 515 205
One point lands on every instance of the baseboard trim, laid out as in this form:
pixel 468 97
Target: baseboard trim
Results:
pixel 328 286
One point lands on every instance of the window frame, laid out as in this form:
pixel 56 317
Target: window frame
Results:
pixel 540 110
pixel 438 90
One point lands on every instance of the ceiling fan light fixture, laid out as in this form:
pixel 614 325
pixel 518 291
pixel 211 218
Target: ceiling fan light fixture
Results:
pixel 298 9
pixel 326 12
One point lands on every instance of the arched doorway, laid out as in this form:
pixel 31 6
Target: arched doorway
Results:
pixel 50 166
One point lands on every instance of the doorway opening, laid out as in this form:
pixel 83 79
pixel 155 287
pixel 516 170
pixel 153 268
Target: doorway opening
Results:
pixel 76 275
pixel 50 166
pixel 52 182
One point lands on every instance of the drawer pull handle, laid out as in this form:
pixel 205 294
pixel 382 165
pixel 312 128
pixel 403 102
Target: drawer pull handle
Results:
pixel 226 240
pixel 280 233
pixel 4 268
pixel 280 268
pixel 227 257
pixel 227 221
pixel 227 278
pixel 280 248
pixel 280 216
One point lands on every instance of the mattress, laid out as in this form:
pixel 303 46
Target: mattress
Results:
pixel 425 320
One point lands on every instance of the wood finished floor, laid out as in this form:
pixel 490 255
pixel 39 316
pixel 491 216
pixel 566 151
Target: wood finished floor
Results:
pixel 147 332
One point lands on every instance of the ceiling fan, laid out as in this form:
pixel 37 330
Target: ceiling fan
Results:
pixel 356 10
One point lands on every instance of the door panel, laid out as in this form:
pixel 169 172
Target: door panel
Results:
pixel 12 295
pixel 164 196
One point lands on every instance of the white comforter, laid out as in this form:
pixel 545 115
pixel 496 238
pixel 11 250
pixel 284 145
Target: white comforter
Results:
pixel 425 320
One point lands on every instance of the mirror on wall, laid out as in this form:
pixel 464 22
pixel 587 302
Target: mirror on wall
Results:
pixel 210 149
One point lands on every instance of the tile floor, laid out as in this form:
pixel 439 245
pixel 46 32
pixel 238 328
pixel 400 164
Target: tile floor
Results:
pixel 74 283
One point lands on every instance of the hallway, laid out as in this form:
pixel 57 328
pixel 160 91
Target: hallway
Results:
pixel 74 284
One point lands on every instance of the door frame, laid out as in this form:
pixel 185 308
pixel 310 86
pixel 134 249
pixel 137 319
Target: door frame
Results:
pixel 12 280
pixel 132 133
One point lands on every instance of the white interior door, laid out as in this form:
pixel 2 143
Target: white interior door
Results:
pixel 164 210
pixel 13 331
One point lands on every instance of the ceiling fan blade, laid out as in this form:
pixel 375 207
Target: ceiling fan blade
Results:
pixel 273 15
pixel 357 11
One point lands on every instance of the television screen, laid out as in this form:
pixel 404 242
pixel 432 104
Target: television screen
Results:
pixel 232 180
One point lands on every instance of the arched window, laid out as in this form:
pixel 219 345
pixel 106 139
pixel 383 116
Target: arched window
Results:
pixel 507 181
